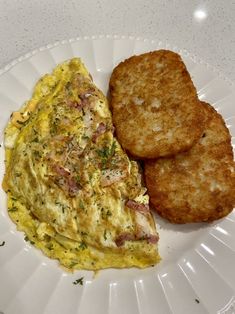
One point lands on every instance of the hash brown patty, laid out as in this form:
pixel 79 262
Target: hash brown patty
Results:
pixel 198 185
pixel 155 107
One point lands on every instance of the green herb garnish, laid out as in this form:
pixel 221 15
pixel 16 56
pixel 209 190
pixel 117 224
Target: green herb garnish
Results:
pixel 82 245
pixel 108 213
pixel 106 153
pixel 73 264
pixel 85 137
pixel 105 214
pixel 28 240
pixel 13 209
pixel 62 206
pixel 35 140
pixel 22 122
pixel 79 281
pixel 81 205
pixel 49 246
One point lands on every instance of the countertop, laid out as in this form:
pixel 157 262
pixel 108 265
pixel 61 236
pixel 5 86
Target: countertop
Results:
pixel 204 28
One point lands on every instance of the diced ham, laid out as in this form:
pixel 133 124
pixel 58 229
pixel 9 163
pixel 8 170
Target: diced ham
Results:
pixel 59 140
pixel 84 100
pixel 112 129
pixel 64 179
pixel 143 208
pixel 73 186
pixel 60 170
pixel 100 130
pixel 65 121
pixel 85 95
pixel 110 176
pixel 75 104
pixel 152 238
pixel 143 233
pixel 123 237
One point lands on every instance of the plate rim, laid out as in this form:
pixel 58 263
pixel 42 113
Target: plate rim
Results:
pixel 184 52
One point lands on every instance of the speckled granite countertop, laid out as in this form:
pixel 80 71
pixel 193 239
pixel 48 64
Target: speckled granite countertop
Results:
pixel 205 28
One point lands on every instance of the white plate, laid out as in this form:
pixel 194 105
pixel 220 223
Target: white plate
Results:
pixel 196 274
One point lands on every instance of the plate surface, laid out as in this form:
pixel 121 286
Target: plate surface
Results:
pixel 196 274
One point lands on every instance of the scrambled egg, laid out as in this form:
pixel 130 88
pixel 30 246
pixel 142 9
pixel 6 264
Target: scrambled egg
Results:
pixel 71 188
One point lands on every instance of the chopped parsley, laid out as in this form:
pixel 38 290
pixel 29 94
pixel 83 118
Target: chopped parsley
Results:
pixel 85 137
pixel 82 245
pixel 113 147
pixel 105 234
pixel 35 131
pixel 79 281
pixel 105 214
pixel 22 122
pixel 108 213
pixel 35 140
pixel 27 240
pixel 90 176
pixel 81 205
pixel 62 206
pixel 13 209
pixel 3 243
pixel 49 246
pixel 37 154
pixel 106 153
pixel 68 85
pixel 72 264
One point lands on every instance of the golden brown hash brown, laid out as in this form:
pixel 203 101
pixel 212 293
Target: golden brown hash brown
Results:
pixel 198 185
pixel 155 107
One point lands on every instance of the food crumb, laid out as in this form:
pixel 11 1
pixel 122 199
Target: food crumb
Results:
pixel 79 281
pixel 196 300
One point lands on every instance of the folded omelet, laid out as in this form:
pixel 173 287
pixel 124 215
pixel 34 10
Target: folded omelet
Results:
pixel 71 188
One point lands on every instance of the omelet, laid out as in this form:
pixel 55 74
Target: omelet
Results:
pixel 71 188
